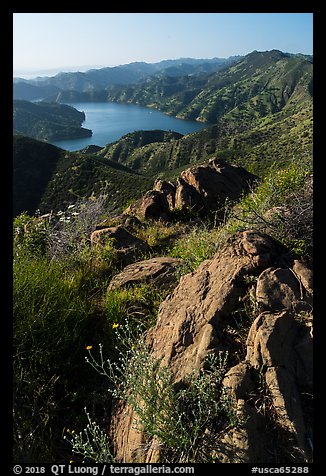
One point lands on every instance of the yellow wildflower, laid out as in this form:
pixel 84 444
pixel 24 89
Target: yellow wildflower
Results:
pixel 115 325
pixel 89 347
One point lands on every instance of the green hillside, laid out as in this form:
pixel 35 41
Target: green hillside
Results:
pixel 208 360
pixel 261 109
pixel 49 178
pixel 259 84
pixel 48 121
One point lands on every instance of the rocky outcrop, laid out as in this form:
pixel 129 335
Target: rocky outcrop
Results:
pixel 152 206
pixel 168 189
pixel 187 197
pixel 161 272
pixel 129 222
pixel 200 189
pixel 281 288
pixel 279 354
pixel 215 181
pixel 203 301
pixel 277 365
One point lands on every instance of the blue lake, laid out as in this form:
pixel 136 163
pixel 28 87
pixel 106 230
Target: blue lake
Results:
pixel 110 121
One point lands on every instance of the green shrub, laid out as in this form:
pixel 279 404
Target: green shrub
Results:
pixel 30 234
pixel 185 422
pixel 137 304
pixel 92 443
pixel 280 188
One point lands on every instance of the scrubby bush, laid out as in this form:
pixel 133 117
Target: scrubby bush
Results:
pixel 69 235
pixel 195 246
pixel 185 423
pixel 282 206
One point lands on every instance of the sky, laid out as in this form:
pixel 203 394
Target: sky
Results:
pixel 46 43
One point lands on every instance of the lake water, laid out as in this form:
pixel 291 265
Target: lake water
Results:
pixel 110 121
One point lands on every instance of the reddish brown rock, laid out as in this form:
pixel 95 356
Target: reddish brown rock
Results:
pixel 280 288
pixel 191 320
pixel 168 189
pixel 191 324
pixel 216 180
pixel 272 344
pixel 187 197
pixel 152 206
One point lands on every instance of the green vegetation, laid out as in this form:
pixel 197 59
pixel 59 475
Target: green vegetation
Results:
pixel 185 423
pixel 48 121
pixel 258 84
pixel 63 309
pixel 256 145
pixel 61 306
pixel 281 206
pixel 91 85
pixel 57 178
pixel 92 443
pixel 260 109
pixel 275 133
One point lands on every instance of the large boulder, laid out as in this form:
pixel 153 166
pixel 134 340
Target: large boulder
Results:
pixel 282 288
pixel 168 189
pixel 152 206
pixel 273 344
pixel 200 188
pixel 192 322
pixel 215 181
pixel 160 271
pixel 279 360
pixel 203 302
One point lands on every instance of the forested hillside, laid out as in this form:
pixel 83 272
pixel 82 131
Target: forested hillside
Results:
pixel 48 121
pixel 48 178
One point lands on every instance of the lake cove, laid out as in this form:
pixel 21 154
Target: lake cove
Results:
pixel 110 121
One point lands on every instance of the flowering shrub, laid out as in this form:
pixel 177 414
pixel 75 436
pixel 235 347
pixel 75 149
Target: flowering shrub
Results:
pixel 186 422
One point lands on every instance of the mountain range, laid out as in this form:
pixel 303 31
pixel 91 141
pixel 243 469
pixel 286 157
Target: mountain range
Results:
pixel 48 178
pixel 100 79
pixel 259 107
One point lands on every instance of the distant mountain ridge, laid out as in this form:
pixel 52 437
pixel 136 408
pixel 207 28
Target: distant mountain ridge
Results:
pixel 99 79
pixel 260 109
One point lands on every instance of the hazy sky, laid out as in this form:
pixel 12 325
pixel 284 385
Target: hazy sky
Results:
pixel 79 41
